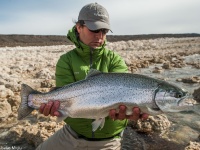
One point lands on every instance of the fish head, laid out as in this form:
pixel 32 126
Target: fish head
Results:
pixel 171 98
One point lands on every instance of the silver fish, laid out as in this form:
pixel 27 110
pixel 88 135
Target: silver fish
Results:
pixel 94 96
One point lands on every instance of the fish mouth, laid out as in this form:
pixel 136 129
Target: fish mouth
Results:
pixel 187 101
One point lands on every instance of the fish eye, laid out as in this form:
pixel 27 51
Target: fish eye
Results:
pixel 178 95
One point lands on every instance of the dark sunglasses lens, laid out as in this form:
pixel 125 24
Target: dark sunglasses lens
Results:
pixel 104 31
pixel 96 31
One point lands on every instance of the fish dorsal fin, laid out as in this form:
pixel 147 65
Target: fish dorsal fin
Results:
pixel 93 72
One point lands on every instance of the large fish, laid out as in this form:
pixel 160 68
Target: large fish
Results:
pixel 94 96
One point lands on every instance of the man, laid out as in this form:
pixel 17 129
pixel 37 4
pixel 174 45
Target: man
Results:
pixel 89 37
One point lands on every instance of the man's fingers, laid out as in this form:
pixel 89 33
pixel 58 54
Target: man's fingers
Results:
pixel 47 108
pixel 57 114
pixel 136 114
pixel 122 112
pixel 112 114
pixel 41 109
pixel 54 108
pixel 144 116
pixel 50 108
pixel 136 110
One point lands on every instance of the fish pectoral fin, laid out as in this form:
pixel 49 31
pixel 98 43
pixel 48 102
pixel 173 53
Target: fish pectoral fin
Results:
pixel 63 116
pixel 102 123
pixel 98 123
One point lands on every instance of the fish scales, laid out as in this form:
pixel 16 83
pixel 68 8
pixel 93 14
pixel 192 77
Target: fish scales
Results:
pixel 94 96
pixel 102 94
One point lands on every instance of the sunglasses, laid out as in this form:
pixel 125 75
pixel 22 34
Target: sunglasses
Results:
pixel 104 31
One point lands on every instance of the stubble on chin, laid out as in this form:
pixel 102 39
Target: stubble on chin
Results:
pixel 95 45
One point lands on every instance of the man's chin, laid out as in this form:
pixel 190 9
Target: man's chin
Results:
pixel 95 45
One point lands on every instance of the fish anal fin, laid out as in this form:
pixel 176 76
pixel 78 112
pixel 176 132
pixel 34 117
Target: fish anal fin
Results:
pixel 98 123
pixel 63 115
pixel 102 123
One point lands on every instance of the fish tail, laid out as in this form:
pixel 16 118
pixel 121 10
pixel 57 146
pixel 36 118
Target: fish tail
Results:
pixel 24 110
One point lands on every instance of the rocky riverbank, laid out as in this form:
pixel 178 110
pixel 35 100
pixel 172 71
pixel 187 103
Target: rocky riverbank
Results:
pixel 13 40
pixel 35 66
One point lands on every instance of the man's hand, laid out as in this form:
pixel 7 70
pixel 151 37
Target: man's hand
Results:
pixel 51 108
pixel 122 114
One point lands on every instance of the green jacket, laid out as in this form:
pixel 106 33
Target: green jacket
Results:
pixel 74 66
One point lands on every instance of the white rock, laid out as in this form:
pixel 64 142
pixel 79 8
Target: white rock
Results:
pixel 5 109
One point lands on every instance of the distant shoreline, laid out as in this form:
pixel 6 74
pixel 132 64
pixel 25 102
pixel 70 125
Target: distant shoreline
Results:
pixel 12 40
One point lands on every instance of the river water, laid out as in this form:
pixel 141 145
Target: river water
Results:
pixel 172 75
pixel 185 126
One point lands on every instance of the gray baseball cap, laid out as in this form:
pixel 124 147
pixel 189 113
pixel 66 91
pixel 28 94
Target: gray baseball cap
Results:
pixel 95 16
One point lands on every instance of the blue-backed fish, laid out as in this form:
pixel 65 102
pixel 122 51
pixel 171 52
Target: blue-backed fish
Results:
pixel 99 92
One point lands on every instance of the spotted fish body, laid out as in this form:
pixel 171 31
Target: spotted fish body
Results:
pixel 94 96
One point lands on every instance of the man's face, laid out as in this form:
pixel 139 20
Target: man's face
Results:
pixel 90 38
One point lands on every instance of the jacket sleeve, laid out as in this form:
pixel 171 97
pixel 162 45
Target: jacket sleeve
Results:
pixel 64 74
pixel 117 64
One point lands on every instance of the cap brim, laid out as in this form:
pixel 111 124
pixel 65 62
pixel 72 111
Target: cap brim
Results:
pixel 97 25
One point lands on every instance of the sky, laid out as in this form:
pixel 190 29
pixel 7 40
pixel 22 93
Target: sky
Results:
pixel 127 17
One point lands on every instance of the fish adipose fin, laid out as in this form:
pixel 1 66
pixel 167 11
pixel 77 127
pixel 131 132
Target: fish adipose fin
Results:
pixel 24 110
pixel 63 116
pixel 98 123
